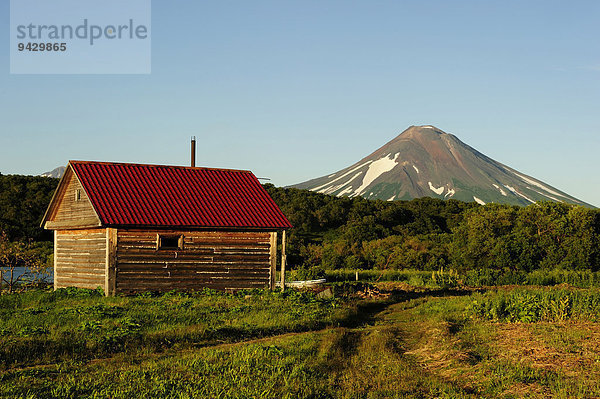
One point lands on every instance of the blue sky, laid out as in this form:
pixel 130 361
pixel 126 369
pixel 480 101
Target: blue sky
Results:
pixel 294 90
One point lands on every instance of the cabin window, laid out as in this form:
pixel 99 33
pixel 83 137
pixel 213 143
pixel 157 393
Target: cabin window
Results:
pixel 169 242
pixel 77 195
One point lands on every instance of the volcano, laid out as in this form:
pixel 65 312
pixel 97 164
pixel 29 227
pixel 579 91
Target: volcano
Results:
pixel 424 161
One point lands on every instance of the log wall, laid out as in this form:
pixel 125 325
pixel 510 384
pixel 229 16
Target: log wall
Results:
pixel 80 258
pixel 218 260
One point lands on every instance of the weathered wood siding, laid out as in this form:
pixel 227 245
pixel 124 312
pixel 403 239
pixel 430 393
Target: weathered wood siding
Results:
pixel 219 260
pixel 80 258
pixel 72 212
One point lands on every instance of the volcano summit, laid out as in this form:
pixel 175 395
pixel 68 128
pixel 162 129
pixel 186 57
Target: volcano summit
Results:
pixel 424 161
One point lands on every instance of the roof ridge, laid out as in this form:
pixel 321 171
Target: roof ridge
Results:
pixel 158 166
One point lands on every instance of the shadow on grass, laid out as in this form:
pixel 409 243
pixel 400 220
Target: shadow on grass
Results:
pixel 40 350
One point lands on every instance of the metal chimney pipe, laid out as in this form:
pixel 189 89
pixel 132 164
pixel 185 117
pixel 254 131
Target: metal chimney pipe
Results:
pixel 193 151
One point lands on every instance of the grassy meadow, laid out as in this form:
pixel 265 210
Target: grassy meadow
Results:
pixel 372 340
pixel 454 300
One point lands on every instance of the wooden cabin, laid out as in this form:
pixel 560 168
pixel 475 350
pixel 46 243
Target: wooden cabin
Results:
pixel 130 228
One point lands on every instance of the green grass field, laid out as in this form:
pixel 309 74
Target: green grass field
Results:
pixel 398 341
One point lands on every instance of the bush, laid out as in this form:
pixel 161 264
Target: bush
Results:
pixel 533 305
pixel 444 279
pixel 306 273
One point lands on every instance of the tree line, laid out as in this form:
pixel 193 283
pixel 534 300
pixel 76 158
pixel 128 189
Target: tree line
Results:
pixel 355 233
pixel 23 202
pixel 23 243
pixel 429 234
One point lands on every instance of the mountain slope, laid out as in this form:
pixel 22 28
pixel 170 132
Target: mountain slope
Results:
pixel 426 161
pixel 56 172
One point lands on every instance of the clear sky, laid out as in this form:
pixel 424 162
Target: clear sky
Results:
pixel 294 90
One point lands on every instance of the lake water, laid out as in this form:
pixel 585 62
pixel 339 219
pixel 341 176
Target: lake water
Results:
pixel 21 270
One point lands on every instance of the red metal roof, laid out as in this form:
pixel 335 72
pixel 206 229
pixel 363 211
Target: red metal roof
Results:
pixel 165 196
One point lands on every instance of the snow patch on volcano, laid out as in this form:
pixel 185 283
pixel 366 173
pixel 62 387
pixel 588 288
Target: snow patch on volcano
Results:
pixel 546 195
pixel 512 189
pixel 376 169
pixel 331 182
pixel 534 183
pixel 501 191
pixel 480 202
pixel 438 190
pixel 331 190
pixel 345 191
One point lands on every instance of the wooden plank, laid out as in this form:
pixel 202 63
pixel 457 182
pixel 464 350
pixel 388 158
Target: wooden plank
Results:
pixel 194 273
pixel 74 279
pixel 111 262
pixel 185 282
pixel 208 243
pixel 174 284
pixel 92 233
pixel 77 223
pixel 191 258
pixel 205 246
pixel 190 264
pixel 264 256
pixel 55 257
pixel 84 257
pixel 153 267
pixel 74 270
pixel 273 259
pixel 200 260
pixel 80 282
pixel 192 287
pixel 283 260
pixel 77 267
pixel 83 260
pixel 80 265
pixel 90 286
pixel 82 252
pixel 74 243
pixel 81 241
pixel 83 235
pixel 207 250
pixel 83 274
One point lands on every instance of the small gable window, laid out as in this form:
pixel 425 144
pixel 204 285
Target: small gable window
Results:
pixel 172 242
pixel 77 195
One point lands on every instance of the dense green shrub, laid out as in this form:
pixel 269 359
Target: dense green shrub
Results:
pixel 23 201
pixel 485 244
pixel 529 306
